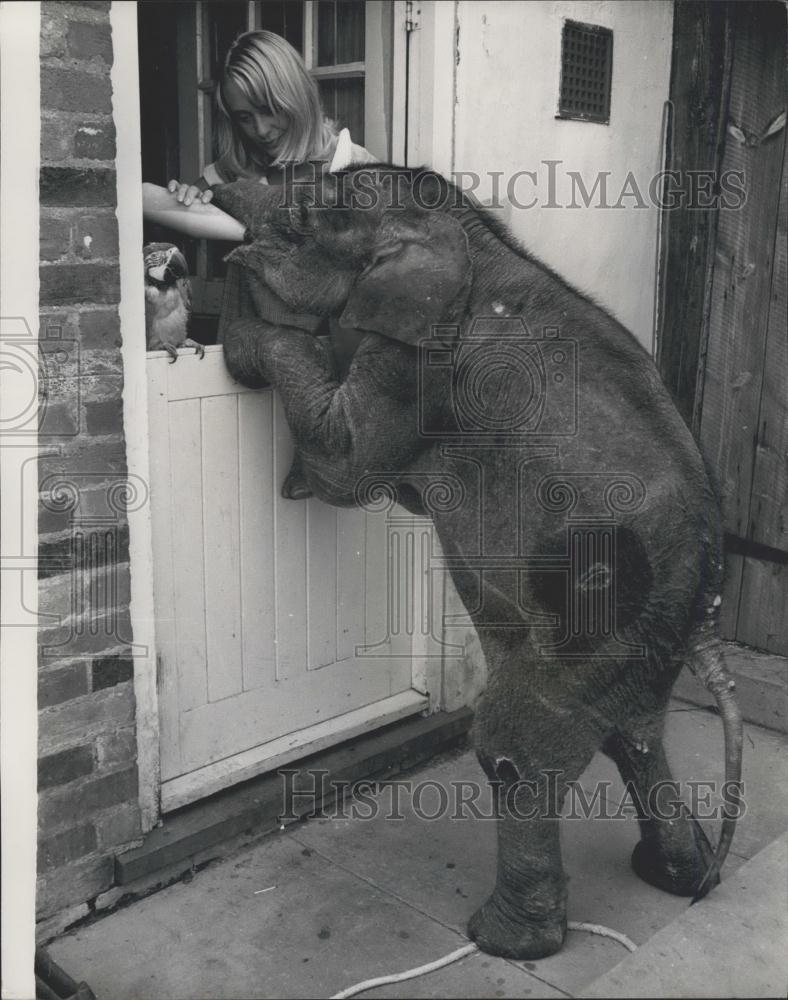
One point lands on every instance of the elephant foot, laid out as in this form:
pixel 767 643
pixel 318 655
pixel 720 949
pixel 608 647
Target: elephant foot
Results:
pixel 674 871
pixel 295 487
pixel 499 931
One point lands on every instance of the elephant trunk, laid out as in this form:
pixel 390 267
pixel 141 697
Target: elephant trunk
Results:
pixel 708 664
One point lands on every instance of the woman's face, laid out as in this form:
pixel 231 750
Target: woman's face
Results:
pixel 257 122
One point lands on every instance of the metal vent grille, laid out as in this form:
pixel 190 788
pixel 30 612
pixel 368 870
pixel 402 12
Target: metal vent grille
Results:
pixel 586 71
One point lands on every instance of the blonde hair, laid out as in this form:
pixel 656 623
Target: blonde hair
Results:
pixel 268 70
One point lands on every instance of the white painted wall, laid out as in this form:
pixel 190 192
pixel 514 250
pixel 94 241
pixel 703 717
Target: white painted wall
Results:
pixel 506 98
pixel 483 83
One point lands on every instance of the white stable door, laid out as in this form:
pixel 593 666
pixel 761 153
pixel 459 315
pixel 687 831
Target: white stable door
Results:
pixel 273 617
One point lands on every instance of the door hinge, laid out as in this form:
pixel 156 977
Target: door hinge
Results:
pixel 412 15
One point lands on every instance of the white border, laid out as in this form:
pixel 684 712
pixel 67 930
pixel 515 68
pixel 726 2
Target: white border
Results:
pixel 126 114
pixel 21 118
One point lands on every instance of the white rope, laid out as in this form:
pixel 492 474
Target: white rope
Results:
pixel 400 977
pixel 602 931
pixel 469 949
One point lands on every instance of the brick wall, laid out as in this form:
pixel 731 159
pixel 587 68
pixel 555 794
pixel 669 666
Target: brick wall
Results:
pixel 87 756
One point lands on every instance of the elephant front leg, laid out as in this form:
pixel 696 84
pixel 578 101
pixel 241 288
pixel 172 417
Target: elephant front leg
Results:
pixel 525 917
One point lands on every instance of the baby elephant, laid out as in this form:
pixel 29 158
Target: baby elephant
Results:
pixel 571 502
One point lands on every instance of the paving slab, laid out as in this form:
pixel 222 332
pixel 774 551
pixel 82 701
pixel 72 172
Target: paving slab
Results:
pixel 700 954
pixel 360 897
pixel 276 920
pixel 446 867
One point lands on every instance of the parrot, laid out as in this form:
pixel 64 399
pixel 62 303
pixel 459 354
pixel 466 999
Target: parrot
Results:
pixel 168 300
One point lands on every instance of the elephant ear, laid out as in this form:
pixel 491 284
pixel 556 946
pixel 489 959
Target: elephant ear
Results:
pixel 419 274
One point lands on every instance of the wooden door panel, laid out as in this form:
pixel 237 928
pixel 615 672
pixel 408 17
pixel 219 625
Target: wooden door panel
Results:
pixel 258 488
pixel 220 533
pixel 321 527
pixel 264 602
pixel 289 549
pixel 187 605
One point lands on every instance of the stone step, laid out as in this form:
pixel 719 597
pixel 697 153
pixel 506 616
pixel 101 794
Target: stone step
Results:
pixel 733 943
pixel 257 805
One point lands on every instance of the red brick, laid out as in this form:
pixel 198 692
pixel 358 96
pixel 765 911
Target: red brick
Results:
pixel 89 41
pixel 74 883
pixel 117 748
pixel 53 34
pixel 119 827
pixel 73 90
pixel 96 236
pixel 83 718
pixel 111 670
pixel 70 593
pixel 105 382
pixel 94 6
pixel 86 456
pixel 62 684
pixel 58 420
pixel 72 187
pixel 54 238
pixel 99 328
pixel 71 283
pixel 105 417
pixel 95 141
pixel 55 553
pixel 66 766
pixel 88 636
pixel 69 845
pixel 57 140
pixel 58 325
pixel 60 808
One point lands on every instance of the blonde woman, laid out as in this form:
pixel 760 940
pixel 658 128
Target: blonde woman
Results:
pixel 269 115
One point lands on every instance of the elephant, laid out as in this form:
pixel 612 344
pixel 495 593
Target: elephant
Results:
pixel 573 508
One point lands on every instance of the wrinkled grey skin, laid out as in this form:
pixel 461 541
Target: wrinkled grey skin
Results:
pixel 394 272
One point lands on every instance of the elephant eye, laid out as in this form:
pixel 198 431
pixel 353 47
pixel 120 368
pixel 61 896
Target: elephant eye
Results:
pixel 301 218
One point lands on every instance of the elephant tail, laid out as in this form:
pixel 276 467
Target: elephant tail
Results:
pixel 707 662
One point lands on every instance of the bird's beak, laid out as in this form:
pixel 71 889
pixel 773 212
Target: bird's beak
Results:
pixel 176 264
pixel 157 273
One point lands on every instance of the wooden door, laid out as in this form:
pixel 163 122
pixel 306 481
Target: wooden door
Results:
pixel 724 345
pixel 273 617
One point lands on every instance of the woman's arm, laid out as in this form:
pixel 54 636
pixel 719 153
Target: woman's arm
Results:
pixel 196 220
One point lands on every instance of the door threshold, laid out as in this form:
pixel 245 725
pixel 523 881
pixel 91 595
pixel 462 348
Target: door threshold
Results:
pixel 185 789
pixel 202 831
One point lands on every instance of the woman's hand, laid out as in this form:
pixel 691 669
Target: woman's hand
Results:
pixel 186 194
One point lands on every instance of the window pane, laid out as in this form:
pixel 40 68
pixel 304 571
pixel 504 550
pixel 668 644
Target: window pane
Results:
pixel 343 101
pixel 326 18
pixel 284 18
pixel 350 31
pixel 226 20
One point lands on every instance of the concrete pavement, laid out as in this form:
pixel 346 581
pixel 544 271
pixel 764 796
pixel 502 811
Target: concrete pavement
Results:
pixel 329 902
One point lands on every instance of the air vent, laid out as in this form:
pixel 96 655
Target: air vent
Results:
pixel 586 71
